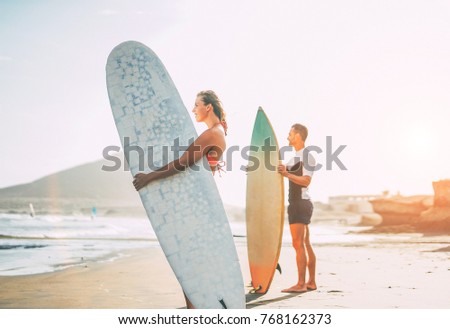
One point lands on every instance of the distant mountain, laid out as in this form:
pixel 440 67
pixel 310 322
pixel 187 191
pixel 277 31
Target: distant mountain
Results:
pixel 76 190
pixel 85 181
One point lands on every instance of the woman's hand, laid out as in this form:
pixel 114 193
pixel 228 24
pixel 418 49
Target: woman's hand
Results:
pixel 140 180
pixel 282 170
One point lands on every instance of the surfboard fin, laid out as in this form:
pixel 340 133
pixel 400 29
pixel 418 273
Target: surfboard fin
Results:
pixel 255 290
pixel 223 304
pixel 279 268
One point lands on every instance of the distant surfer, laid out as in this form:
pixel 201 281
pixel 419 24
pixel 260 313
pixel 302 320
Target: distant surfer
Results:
pixel 93 212
pixel 32 213
pixel 211 143
pixel 299 171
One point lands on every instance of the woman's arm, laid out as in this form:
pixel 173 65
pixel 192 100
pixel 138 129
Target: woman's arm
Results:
pixel 192 155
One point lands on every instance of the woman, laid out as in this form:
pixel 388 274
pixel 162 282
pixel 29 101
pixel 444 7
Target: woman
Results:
pixel 211 143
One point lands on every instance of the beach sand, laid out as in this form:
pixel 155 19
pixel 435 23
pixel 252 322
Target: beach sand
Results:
pixel 405 272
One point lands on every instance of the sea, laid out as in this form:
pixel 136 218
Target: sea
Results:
pixel 47 243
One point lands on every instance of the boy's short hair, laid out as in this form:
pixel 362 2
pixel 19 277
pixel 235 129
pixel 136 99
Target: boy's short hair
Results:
pixel 301 129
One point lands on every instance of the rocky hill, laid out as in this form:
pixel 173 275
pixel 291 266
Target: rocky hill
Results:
pixel 74 190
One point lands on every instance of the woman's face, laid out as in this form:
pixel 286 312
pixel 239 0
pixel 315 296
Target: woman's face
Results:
pixel 200 110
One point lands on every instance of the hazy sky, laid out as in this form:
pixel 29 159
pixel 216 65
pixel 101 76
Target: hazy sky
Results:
pixel 373 75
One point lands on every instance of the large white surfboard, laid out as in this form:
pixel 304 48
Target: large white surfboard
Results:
pixel 185 210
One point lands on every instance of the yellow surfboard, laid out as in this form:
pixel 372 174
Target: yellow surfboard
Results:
pixel 264 204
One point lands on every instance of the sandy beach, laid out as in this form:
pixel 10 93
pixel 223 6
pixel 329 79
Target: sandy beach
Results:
pixel 394 271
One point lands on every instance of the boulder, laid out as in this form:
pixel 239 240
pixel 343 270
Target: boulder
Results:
pixel 442 193
pixel 436 219
pixel 371 219
pixel 400 210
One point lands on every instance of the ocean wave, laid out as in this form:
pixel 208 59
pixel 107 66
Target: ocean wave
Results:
pixel 11 236
pixel 65 227
pixel 43 218
pixel 21 246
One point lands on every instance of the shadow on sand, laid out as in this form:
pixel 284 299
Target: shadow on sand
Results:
pixel 252 299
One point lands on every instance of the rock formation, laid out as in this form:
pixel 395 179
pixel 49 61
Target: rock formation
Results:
pixel 437 218
pixel 442 193
pixel 425 213
pixel 400 210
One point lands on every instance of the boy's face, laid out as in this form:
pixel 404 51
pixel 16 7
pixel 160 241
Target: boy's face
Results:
pixel 292 137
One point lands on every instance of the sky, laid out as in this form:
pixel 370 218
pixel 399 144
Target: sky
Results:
pixel 372 75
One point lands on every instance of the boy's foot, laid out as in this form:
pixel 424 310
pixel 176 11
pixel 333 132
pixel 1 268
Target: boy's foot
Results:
pixel 296 289
pixel 311 286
